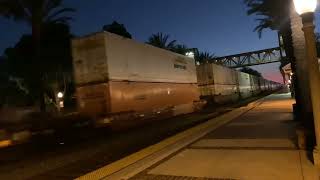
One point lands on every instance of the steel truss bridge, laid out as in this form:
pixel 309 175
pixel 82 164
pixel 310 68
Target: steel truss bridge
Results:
pixel 253 58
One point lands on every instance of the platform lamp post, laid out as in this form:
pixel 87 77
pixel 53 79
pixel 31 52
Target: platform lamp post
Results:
pixel 306 8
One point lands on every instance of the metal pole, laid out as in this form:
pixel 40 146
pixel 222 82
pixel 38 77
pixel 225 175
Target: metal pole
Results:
pixel 314 77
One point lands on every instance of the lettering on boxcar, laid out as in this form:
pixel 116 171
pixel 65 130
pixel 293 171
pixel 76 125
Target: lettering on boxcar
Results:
pixel 140 97
pixel 178 66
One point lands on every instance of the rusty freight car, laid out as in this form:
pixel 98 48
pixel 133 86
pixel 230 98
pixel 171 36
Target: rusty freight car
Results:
pixel 121 80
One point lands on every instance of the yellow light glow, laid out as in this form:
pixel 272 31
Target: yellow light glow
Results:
pixel 60 95
pixel 305 6
pixel 5 143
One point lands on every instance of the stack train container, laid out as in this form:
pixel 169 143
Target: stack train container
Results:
pixel 120 79
pixel 219 85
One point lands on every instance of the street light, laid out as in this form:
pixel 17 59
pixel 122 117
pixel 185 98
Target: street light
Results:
pixel 306 8
pixel 60 95
pixel 60 101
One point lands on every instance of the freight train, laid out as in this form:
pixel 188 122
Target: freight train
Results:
pixel 121 81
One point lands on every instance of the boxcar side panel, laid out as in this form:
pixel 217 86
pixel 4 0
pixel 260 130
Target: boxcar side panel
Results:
pixel 142 96
pixel 89 60
pixel 133 61
pixel 244 85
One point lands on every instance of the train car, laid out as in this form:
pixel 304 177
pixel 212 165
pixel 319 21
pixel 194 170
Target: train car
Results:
pixel 244 83
pixel 217 84
pixel 255 85
pixel 263 86
pixel 120 79
pixel 221 85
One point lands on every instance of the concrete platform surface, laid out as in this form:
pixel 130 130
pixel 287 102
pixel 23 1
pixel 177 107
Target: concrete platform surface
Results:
pixel 233 164
pixel 257 142
pixel 259 145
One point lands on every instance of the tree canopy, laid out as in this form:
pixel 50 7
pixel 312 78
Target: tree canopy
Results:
pixel 274 15
pixel 203 57
pixel 271 14
pixel 251 71
pixel 161 40
pixel 57 54
pixel 35 11
pixel 117 28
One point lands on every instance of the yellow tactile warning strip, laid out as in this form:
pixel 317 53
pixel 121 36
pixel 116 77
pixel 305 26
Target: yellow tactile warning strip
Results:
pixel 244 143
pixel 131 159
pixel 163 177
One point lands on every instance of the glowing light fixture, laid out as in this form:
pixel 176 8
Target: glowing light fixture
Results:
pixel 305 6
pixel 60 95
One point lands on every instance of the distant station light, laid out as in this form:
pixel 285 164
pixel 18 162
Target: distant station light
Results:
pixel 190 54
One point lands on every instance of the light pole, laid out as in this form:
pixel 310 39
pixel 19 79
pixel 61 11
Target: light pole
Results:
pixel 305 9
pixel 59 101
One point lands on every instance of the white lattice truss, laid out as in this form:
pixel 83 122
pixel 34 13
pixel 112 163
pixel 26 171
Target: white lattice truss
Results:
pixel 265 56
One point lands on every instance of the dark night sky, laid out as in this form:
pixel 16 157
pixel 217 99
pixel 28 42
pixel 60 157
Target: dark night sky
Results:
pixel 218 26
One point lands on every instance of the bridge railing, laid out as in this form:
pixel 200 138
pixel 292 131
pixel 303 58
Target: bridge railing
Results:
pixel 265 56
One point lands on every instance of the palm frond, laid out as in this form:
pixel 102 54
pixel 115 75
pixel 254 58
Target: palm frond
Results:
pixel 272 14
pixel 41 11
pixel 13 9
pixel 55 15
pixel 162 41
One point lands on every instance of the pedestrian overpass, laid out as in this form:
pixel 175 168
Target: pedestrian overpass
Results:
pixel 253 58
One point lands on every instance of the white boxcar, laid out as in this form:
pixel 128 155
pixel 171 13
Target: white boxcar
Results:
pixel 120 77
pixel 217 83
pixel 244 85
pixel 255 84
pixel 105 56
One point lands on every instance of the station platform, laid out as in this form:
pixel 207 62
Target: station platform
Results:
pixel 255 142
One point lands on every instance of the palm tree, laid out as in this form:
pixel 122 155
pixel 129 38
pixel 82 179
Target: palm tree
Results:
pixel 161 40
pixel 118 29
pixel 274 15
pixel 36 13
pixel 204 57
pixel 180 49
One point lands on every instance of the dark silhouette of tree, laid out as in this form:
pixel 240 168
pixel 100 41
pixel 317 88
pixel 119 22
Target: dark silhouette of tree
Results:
pixel 180 49
pixel 37 13
pixel 274 15
pixel 318 44
pixel 55 49
pixel 203 57
pixel 118 29
pixel 251 71
pixel 161 40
